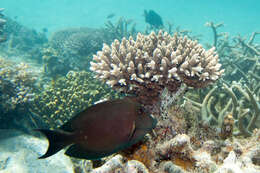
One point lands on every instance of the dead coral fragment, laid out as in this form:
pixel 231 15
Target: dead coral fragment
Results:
pixel 117 164
pixel 178 150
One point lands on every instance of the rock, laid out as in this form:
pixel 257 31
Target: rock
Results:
pixel 169 167
pixel 19 152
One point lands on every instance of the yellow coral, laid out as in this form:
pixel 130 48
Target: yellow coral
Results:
pixel 68 95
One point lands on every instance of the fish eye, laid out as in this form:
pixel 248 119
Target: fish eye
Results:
pixel 141 110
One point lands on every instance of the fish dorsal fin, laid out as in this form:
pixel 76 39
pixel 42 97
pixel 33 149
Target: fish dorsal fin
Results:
pixel 67 126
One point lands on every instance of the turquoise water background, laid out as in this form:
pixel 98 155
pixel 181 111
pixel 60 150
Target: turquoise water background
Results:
pixel 239 16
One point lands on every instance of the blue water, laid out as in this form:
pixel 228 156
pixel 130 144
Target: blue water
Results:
pixel 239 17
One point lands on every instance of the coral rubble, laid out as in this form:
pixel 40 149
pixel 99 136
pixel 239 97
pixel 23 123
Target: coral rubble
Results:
pixel 117 164
pixel 179 155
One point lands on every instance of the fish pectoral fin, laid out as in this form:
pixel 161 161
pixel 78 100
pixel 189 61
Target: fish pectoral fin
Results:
pixel 132 132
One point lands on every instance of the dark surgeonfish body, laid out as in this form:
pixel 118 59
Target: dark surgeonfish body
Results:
pixel 101 130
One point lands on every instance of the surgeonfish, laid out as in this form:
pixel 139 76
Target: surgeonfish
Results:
pixel 101 130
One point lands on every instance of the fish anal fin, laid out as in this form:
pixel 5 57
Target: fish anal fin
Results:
pixel 77 151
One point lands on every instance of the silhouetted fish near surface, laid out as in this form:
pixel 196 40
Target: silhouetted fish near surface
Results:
pixel 101 130
pixel 111 15
pixel 153 18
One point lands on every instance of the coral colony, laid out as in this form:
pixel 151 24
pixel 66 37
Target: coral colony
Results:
pixel 150 63
pixel 2 23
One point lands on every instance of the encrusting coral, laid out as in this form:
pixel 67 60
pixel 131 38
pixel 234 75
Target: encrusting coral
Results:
pixel 66 96
pixel 17 85
pixel 77 41
pixel 150 63
pixel 71 48
pixel 53 64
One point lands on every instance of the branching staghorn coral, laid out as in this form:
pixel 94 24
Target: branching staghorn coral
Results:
pixel 234 107
pixel 214 28
pixel 123 28
pixel 150 63
pixel 239 55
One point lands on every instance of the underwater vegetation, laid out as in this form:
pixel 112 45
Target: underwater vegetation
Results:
pixel 122 28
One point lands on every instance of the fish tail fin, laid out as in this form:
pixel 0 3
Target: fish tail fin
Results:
pixel 58 139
